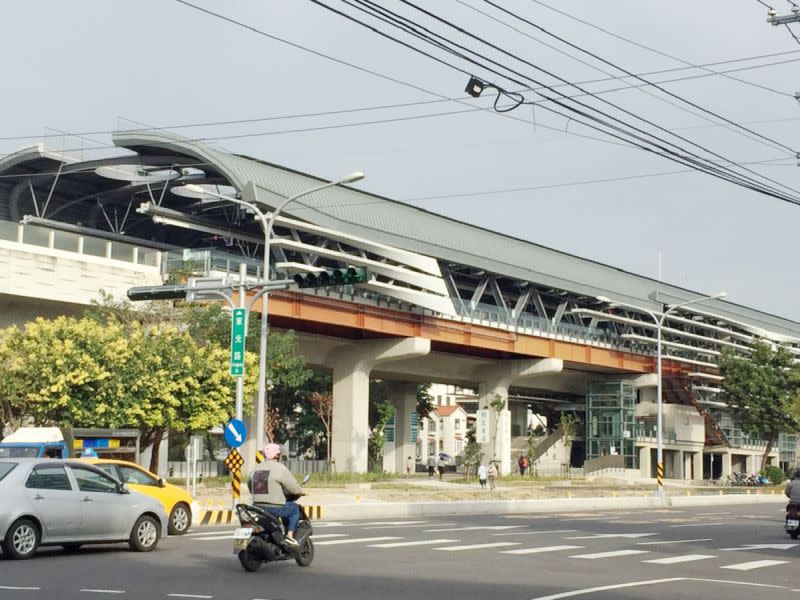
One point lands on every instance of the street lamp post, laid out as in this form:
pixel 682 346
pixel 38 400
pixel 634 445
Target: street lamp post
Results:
pixel 267 225
pixel 658 319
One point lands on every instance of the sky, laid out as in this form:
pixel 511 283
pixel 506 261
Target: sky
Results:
pixel 96 66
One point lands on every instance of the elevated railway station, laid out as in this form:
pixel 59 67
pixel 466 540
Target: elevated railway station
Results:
pixel 447 302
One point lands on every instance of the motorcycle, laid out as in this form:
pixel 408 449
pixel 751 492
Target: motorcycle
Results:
pixel 793 520
pixel 260 538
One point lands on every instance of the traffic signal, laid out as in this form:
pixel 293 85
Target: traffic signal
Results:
pixel 159 292
pixel 331 277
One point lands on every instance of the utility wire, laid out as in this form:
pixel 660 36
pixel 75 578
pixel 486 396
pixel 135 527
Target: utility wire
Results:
pixel 642 89
pixel 645 47
pixel 692 159
pixel 201 124
pixel 609 63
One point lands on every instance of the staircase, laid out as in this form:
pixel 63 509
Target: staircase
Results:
pixel 546 444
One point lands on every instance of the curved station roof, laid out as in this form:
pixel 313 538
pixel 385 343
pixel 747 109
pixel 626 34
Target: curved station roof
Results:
pixel 418 259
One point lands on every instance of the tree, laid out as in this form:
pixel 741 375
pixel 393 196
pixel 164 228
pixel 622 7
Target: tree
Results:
pixel 424 400
pixel 472 455
pixel 762 391
pixel 567 423
pixel 72 372
pixel 497 405
pixel 381 410
pixel 322 406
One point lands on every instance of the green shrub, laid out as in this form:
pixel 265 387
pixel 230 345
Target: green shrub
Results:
pixel 774 474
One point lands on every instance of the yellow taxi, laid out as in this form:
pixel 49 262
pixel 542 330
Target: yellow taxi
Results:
pixel 177 502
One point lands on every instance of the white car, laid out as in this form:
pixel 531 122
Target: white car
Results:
pixel 68 503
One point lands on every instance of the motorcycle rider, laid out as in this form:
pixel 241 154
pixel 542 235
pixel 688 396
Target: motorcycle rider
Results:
pixel 271 484
pixel 793 488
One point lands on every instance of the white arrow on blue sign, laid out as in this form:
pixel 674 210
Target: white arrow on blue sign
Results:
pixel 235 433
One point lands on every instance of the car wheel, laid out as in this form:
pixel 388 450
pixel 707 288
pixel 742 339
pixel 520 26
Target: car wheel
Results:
pixel 180 519
pixel 306 555
pixel 145 534
pixel 22 540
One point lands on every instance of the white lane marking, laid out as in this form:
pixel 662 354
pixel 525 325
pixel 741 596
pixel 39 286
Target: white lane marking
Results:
pixel 539 550
pixel 18 588
pixel 607 587
pixel 477 528
pixel 535 532
pixel 397 523
pixel 596 519
pixel 188 596
pixel 357 540
pixel 417 543
pixel 600 536
pixel 673 542
pixel 749 583
pixel 699 525
pixel 203 533
pixel 398 526
pixel 611 554
pixel 671 560
pixel 762 547
pixel 756 564
pixel 477 546
pixel 91 591
pixel 319 536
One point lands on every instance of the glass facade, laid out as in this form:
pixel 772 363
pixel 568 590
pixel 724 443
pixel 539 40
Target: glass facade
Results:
pixel 610 421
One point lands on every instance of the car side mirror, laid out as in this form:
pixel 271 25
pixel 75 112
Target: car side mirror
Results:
pixel 122 488
pixel 162 482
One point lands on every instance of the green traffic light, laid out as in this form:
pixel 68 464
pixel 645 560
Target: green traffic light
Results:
pixel 332 277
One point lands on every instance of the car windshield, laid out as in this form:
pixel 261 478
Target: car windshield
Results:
pixel 19 452
pixel 5 469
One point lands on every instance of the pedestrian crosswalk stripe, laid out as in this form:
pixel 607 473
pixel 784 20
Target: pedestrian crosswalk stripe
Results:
pixel 320 536
pixel 417 543
pixel 671 560
pixel 356 540
pixel 609 554
pixel 477 546
pixel 477 528
pixel 673 542
pixel 536 532
pixel 539 550
pixel 600 536
pixel 756 564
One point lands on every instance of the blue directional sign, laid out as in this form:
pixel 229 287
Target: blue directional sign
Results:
pixel 235 433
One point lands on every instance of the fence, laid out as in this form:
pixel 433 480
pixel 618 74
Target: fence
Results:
pixel 206 468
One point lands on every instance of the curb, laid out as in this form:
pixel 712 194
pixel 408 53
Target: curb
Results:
pixel 549 505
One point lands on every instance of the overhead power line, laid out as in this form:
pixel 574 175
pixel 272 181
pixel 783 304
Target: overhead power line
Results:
pixel 646 47
pixel 616 131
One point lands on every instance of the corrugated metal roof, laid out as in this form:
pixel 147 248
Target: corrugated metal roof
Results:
pixel 395 223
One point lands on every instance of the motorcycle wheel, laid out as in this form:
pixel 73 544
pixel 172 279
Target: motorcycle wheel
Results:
pixel 250 563
pixel 306 556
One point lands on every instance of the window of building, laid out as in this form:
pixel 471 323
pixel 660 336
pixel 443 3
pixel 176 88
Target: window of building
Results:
pixel 431 448
pixel 441 424
pixel 441 445
pixel 459 446
pixel 458 424
pixel 431 425
pixel 439 400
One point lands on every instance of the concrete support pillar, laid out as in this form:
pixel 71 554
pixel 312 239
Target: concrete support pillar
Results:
pixel 404 398
pixel 494 381
pixel 752 463
pixel 677 464
pixel 726 464
pixel 697 464
pixel 351 368
pixel 644 462
pixel 687 465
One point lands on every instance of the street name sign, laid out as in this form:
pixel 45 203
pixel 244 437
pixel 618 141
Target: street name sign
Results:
pixel 238 322
pixel 482 426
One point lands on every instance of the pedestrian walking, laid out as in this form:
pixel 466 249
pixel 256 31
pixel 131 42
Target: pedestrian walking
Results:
pixel 409 466
pixel 431 466
pixel 492 474
pixel 523 464
pixel 440 468
pixel 483 473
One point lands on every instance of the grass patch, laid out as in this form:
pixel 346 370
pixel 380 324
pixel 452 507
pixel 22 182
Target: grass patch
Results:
pixel 209 482
pixel 321 480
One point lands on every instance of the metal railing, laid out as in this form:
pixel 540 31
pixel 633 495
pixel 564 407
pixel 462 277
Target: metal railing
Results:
pixel 66 241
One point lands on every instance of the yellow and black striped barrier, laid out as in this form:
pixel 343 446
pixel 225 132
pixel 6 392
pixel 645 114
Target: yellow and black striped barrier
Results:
pixel 313 512
pixel 259 456
pixel 660 475
pixel 214 515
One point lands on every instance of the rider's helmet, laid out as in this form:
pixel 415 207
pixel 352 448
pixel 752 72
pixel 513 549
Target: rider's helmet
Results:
pixel 271 451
